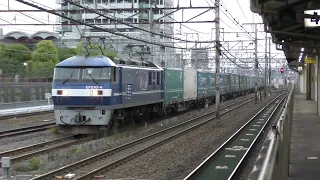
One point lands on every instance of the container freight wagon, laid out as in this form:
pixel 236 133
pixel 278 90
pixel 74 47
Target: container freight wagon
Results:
pixel 242 84
pixel 237 83
pixel 173 83
pixel 248 84
pixel 202 84
pixel 190 84
pixel 225 85
pixel 211 84
pixel 233 85
pixel 252 83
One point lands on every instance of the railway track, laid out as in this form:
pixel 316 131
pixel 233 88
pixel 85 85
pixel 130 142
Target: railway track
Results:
pixel 227 159
pixel 26 130
pixel 112 158
pixel 23 153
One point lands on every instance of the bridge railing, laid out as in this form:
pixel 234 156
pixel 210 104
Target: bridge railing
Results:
pixel 274 157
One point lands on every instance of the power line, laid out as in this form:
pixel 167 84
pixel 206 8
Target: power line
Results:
pixel 242 10
pixel 95 27
pixel 125 23
pixel 234 58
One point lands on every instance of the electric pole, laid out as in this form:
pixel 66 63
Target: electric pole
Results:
pixel 256 65
pixel 217 19
pixel 256 62
pixel 270 65
pixel 266 67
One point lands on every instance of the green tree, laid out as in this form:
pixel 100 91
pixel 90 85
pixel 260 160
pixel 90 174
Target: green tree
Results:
pixel 94 50
pixel 13 57
pixel 65 53
pixel 44 58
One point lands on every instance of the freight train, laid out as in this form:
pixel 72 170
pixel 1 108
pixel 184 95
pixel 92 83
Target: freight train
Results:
pixel 97 93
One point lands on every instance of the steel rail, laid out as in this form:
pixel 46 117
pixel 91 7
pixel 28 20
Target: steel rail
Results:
pixel 92 159
pixel 26 130
pixel 231 158
pixel 43 150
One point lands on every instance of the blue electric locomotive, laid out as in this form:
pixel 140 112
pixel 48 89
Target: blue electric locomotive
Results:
pixel 92 93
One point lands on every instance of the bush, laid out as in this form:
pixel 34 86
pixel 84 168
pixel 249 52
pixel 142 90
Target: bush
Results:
pixel 75 150
pixel 34 164
pixel 54 130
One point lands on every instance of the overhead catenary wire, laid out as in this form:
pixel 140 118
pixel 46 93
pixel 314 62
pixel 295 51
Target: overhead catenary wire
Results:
pixel 130 16
pixel 233 57
pixel 125 23
pixel 242 11
pixel 95 27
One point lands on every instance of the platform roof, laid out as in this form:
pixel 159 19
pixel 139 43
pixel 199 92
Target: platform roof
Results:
pixel 285 20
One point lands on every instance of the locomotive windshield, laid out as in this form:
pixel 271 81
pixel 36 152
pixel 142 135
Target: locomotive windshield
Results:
pixel 82 74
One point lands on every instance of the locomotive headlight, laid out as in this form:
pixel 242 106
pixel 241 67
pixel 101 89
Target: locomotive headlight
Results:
pixel 62 92
pixel 96 92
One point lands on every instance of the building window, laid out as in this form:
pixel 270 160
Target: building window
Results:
pixel 90 21
pixel 162 34
pixel 105 21
pixel 98 21
pixel 150 78
pixel 88 1
pixel 112 1
pixel 158 78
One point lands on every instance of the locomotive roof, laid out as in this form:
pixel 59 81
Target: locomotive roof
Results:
pixel 91 61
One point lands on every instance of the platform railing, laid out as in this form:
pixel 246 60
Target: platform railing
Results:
pixel 274 157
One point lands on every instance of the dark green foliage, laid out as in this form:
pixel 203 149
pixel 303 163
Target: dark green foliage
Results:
pixel 17 59
pixel 44 58
pixel 65 53
pixel 13 57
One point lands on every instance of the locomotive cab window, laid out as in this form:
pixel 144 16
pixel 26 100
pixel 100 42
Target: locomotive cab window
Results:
pixel 66 74
pixel 97 73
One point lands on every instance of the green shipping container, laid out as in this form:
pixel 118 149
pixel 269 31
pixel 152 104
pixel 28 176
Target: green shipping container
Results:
pixel 173 85
pixel 202 84
pixel 212 84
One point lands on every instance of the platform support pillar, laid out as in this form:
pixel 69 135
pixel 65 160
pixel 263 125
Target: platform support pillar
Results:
pixel 318 85
pixel 308 82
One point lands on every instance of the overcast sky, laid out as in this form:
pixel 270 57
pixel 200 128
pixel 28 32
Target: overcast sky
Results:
pixel 229 11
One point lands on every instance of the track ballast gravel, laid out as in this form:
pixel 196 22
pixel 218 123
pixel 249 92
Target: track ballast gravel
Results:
pixel 178 158
pixel 19 122
pixel 75 153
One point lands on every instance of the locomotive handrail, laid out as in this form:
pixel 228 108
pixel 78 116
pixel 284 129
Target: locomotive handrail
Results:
pixel 273 159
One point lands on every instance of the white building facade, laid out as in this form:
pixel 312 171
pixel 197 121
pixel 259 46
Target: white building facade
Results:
pixel 138 13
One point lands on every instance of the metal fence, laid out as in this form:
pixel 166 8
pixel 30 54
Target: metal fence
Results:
pixel 274 157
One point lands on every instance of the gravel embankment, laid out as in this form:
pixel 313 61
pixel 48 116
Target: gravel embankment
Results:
pixel 177 159
pixel 66 156
pixel 19 122
pixel 13 142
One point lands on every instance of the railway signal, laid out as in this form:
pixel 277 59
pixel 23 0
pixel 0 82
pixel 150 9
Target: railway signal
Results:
pixel 281 70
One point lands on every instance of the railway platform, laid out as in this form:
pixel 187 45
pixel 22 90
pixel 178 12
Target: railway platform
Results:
pixel 27 104
pixel 305 149
pixel 11 109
